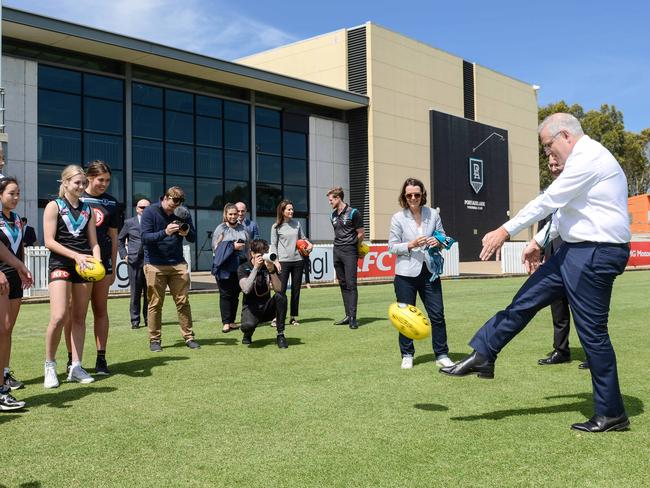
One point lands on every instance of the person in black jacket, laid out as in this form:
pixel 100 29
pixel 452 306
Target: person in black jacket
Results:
pixel 29 234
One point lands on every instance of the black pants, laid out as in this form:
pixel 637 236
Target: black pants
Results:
pixel 138 287
pixel 274 308
pixel 228 298
pixel 293 269
pixel 345 265
pixel 561 325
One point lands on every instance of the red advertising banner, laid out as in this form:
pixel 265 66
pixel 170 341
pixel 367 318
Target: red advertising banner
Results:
pixel 639 254
pixel 377 263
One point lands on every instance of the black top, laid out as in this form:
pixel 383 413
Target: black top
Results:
pixel 71 231
pixel 107 216
pixel 159 248
pixel 11 235
pixel 261 291
pixel 345 226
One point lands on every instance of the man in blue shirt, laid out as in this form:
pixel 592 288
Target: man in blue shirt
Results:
pixel 163 227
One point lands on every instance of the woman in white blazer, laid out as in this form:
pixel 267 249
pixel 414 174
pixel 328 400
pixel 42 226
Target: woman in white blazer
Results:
pixel 411 231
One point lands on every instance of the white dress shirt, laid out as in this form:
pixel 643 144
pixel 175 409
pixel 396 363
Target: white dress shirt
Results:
pixel 590 197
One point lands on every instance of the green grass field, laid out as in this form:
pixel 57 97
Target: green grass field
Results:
pixel 335 409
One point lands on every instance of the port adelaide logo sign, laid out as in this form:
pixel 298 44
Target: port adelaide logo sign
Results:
pixel 476 174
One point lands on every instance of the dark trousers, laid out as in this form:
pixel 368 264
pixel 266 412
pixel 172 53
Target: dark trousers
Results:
pixel 561 325
pixel 228 298
pixel 138 288
pixel 585 273
pixel 406 290
pixel 293 269
pixel 274 308
pixel 345 265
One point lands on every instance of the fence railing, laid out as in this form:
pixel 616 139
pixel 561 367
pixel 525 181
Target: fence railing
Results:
pixel 511 257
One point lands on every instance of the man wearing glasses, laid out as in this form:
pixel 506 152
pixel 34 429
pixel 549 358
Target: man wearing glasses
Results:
pixel 130 247
pixel 163 227
pixel 589 199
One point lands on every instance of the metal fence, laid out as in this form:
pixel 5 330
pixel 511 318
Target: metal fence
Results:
pixel 511 253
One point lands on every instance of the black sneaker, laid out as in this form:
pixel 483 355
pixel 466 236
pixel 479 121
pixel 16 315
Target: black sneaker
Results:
pixel 68 365
pixel 155 346
pixel 282 342
pixel 101 368
pixel 247 340
pixel 192 344
pixel 12 382
pixel 8 402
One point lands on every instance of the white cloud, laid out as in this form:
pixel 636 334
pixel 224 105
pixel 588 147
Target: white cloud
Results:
pixel 204 26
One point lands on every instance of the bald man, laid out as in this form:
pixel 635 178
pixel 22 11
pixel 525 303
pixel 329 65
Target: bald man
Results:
pixel 250 225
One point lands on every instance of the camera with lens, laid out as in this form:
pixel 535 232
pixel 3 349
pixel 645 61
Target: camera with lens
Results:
pixel 182 226
pixel 269 256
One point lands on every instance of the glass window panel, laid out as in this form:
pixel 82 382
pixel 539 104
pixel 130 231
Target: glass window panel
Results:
pixel 181 101
pixel 268 197
pixel 147 122
pixel 187 184
pixel 179 127
pixel 298 195
pixel 104 87
pixel 109 149
pixel 206 222
pixel 60 109
pixel 236 191
pixel 209 162
pixel 267 140
pixel 59 79
pixel 147 95
pixel 48 185
pixel 295 145
pixel 209 193
pixel 236 136
pixel 117 185
pixel 103 115
pixel 208 106
pixel 237 165
pixel 180 159
pixel 235 111
pixel 295 171
pixel 269 168
pixel 147 185
pixel 147 156
pixel 59 146
pixel 304 223
pixel 267 116
pixel 265 224
pixel 208 131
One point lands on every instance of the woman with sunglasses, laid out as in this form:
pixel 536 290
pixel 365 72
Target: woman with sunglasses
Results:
pixel 411 231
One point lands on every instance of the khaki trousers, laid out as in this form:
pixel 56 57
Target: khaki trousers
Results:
pixel 159 277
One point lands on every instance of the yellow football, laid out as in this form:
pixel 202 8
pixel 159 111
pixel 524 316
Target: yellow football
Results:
pixel 409 320
pixel 94 271
pixel 363 249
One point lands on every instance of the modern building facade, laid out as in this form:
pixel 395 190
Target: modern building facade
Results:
pixel 352 108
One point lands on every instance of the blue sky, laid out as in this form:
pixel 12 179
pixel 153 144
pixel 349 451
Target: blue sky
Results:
pixel 583 52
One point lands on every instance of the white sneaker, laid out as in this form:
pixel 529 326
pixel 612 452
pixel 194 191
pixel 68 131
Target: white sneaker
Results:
pixel 78 374
pixel 50 380
pixel 407 362
pixel 444 361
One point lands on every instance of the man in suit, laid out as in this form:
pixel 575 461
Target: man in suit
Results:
pixel 29 234
pixel 589 199
pixel 130 246
pixel 250 225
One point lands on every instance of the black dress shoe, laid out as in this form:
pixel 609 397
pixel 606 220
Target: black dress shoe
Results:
pixel 583 365
pixel 282 342
pixel 247 340
pixel 600 423
pixel 555 357
pixel 475 363
pixel 344 321
pixel 353 323
pixel 135 325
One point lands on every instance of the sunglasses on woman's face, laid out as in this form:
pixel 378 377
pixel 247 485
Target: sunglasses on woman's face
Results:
pixel 413 195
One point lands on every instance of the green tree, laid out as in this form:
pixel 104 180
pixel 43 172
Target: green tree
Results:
pixel 606 126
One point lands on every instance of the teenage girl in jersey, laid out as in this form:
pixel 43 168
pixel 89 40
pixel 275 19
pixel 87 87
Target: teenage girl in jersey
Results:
pixel 11 234
pixel 69 232
pixel 107 220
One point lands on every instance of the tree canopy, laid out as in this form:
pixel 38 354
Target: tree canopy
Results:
pixel 632 150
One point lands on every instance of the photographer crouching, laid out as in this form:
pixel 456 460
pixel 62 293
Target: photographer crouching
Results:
pixel 163 227
pixel 256 278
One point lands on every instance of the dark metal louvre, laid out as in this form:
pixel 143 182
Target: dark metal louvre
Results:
pixel 357 68
pixel 468 90
pixel 359 183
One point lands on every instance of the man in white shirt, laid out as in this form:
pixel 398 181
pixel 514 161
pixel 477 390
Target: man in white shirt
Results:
pixel 590 201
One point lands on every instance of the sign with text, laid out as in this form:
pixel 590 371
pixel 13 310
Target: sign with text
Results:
pixel 639 254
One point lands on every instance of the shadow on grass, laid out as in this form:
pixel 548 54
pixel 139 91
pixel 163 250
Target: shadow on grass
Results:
pixel 29 484
pixel 363 321
pixel 292 341
pixel 424 358
pixel 431 407
pixel 577 354
pixel 584 405
pixel 139 368
pixel 316 319
pixel 220 341
pixel 61 398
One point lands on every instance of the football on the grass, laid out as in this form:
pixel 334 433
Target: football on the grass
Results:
pixel 409 320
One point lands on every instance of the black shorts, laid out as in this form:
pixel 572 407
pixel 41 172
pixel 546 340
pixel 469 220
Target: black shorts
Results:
pixel 65 273
pixel 108 263
pixel 15 285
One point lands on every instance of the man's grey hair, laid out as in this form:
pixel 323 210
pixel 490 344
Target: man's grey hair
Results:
pixel 560 121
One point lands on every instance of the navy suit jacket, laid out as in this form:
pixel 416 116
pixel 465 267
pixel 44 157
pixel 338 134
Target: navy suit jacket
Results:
pixel 130 234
